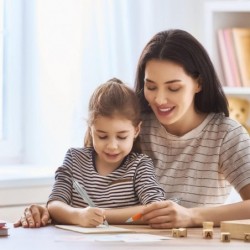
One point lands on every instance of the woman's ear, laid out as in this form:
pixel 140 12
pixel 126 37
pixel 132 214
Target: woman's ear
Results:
pixel 137 129
pixel 198 86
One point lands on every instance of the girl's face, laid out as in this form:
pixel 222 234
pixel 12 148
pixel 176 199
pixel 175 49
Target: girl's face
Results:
pixel 113 139
pixel 170 93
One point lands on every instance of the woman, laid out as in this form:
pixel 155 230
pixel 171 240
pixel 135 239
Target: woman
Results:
pixel 198 151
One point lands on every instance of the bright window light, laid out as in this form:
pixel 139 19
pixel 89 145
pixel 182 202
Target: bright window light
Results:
pixel 1 69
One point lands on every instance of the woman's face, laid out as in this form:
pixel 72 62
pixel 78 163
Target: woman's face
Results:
pixel 170 93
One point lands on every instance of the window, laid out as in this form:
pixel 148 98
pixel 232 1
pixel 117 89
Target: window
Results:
pixel 10 81
pixel 54 56
pixel 1 69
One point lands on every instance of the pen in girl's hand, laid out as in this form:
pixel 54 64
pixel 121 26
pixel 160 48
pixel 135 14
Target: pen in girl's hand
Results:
pixel 82 192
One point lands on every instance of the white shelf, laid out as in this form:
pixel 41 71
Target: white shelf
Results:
pixel 236 91
pixel 224 14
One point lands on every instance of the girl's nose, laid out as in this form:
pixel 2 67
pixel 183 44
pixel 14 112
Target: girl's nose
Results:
pixel 112 144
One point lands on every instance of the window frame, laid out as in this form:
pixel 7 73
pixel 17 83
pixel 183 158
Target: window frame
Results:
pixel 1 69
pixel 10 142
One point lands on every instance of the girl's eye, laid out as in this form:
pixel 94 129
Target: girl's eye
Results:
pixel 149 86
pixel 102 137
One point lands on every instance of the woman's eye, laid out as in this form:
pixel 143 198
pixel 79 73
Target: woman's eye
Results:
pixel 174 89
pixel 122 138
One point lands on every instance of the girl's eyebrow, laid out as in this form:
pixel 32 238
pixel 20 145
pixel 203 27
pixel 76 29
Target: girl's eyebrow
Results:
pixel 119 132
pixel 167 82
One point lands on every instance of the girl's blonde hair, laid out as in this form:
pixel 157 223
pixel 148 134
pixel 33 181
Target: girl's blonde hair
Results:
pixel 113 98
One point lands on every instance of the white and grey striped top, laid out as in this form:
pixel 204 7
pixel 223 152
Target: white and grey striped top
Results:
pixel 199 167
pixel 133 183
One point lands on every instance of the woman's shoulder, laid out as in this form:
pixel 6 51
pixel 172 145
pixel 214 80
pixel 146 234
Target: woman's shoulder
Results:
pixel 223 122
pixel 225 127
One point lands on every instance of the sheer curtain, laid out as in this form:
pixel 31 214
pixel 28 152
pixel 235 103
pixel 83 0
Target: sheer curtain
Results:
pixel 69 48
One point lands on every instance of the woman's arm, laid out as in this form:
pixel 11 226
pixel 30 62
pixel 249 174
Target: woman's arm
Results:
pixel 34 216
pixel 120 215
pixel 235 211
pixel 169 215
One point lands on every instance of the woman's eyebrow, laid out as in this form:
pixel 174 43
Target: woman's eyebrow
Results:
pixel 167 82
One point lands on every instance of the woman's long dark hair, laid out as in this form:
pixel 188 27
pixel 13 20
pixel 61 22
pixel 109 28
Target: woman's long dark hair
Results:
pixel 183 49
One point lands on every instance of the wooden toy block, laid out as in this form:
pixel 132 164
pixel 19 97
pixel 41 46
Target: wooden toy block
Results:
pixel 208 225
pixel 237 228
pixel 175 232
pixel 225 237
pixel 247 237
pixel 182 232
pixel 208 233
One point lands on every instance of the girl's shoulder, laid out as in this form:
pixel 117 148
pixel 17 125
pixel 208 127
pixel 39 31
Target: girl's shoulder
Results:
pixel 84 151
pixel 138 157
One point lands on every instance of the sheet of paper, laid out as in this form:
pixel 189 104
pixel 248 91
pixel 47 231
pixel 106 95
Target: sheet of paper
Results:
pixel 128 237
pixel 95 230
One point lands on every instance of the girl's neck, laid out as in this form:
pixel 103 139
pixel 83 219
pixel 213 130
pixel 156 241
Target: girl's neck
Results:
pixel 105 168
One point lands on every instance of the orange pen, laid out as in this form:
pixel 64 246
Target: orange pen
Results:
pixel 134 218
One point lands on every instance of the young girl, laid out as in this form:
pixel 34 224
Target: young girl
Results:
pixel 110 168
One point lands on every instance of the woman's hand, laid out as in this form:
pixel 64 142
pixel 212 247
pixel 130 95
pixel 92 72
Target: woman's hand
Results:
pixel 167 214
pixel 34 216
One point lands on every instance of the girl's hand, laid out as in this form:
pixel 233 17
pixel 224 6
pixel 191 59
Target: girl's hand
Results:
pixel 91 216
pixel 167 214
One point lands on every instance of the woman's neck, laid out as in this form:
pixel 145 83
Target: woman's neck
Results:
pixel 185 125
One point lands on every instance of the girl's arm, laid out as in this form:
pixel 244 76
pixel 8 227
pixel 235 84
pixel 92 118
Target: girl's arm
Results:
pixel 63 213
pixel 36 215
pixel 91 216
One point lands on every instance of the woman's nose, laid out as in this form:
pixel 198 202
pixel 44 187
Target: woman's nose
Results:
pixel 160 98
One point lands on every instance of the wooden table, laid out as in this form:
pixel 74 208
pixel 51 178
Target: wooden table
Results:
pixel 49 237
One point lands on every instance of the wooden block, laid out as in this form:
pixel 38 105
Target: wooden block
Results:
pixel 237 228
pixel 175 232
pixel 247 237
pixel 225 237
pixel 208 233
pixel 4 231
pixel 182 232
pixel 208 225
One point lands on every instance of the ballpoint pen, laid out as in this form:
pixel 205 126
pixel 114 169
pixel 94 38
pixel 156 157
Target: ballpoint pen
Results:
pixel 81 191
pixel 139 215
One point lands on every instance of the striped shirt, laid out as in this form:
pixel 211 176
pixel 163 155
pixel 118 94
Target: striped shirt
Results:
pixel 200 166
pixel 132 183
